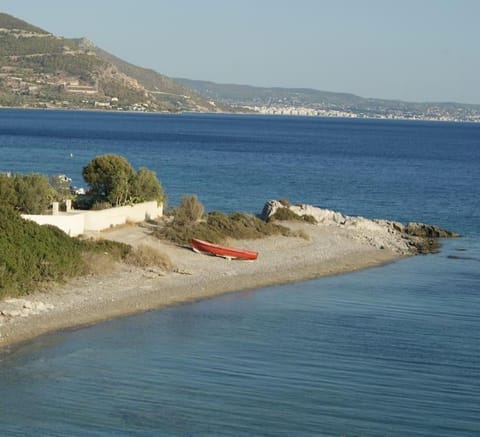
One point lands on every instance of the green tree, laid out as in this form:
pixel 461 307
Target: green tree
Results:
pixel 34 193
pixel 110 177
pixel 146 186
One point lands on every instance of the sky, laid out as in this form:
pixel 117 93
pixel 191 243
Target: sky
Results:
pixel 413 50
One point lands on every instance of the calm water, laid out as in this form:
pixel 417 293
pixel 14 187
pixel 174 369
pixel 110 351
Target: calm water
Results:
pixel 388 351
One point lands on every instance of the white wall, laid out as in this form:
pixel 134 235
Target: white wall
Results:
pixel 71 224
pixel 78 222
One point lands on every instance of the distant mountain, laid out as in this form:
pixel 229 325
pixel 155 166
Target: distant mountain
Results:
pixel 252 95
pixel 39 69
pixel 305 101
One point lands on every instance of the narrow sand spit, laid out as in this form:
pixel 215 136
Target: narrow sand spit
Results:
pixel 330 250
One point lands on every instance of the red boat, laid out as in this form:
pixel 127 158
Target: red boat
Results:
pixel 224 251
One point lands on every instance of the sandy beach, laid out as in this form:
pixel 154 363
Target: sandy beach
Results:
pixel 329 250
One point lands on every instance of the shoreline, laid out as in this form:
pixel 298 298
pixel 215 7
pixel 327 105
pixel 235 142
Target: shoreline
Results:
pixel 428 120
pixel 84 301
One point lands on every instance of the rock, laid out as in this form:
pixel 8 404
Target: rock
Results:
pixel 426 245
pixel 409 239
pixel 428 231
pixel 269 209
pixel 319 214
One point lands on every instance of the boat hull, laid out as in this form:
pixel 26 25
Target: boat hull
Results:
pixel 223 251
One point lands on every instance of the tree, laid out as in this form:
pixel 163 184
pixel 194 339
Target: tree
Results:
pixel 110 177
pixel 34 193
pixel 146 186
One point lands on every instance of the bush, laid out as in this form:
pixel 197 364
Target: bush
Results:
pixel 147 256
pixel 118 251
pixel 286 214
pixel 8 195
pixel 190 210
pixel 29 194
pixel 32 255
pixel 217 227
pixel 98 263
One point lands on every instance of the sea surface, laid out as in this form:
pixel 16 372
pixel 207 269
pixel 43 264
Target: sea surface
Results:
pixel 389 351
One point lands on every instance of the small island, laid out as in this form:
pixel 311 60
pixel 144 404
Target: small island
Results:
pixel 135 267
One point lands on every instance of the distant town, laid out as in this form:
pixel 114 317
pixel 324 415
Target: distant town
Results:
pixel 41 70
pixel 316 103
pixel 431 115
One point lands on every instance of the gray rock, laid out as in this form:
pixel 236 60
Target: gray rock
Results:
pixel 428 231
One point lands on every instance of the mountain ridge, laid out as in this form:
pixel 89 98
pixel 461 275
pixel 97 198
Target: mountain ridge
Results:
pixel 318 102
pixel 41 70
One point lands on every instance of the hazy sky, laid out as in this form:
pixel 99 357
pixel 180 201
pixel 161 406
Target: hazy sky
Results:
pixel 417 50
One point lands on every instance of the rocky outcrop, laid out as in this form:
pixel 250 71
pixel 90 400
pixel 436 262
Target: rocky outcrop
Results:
pixel 409 239
pixel 428 231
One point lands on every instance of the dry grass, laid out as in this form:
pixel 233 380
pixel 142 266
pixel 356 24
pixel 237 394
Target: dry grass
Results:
pixel 147 256
pixel 301 234
pixel 286 214
pixel 217 227
pixel 98 263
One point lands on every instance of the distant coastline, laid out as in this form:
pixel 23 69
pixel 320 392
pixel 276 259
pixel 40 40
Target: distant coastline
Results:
pixel 239 113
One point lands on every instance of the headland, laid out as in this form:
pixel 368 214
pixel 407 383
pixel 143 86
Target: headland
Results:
pixel 334 245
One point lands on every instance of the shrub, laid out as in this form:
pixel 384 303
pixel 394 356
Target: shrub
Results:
pixel 190 210
pixel 97 263
pixel 118 251
pixel 310 219
pixel 285 202
pixel 217 227
pixel 286 214
pixel 33 193
pixel 147 256
pixel 32 255
pixel 8 194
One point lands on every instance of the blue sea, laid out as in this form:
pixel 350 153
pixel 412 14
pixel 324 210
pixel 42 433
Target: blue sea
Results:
pixel 389 351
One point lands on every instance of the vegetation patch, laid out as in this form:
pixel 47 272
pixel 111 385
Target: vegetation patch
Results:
pixel 216 226
pixel 147 256
pixel 29 194
pixel 98 263
pixel 286 214
pixel 31 256
pixel 112 180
